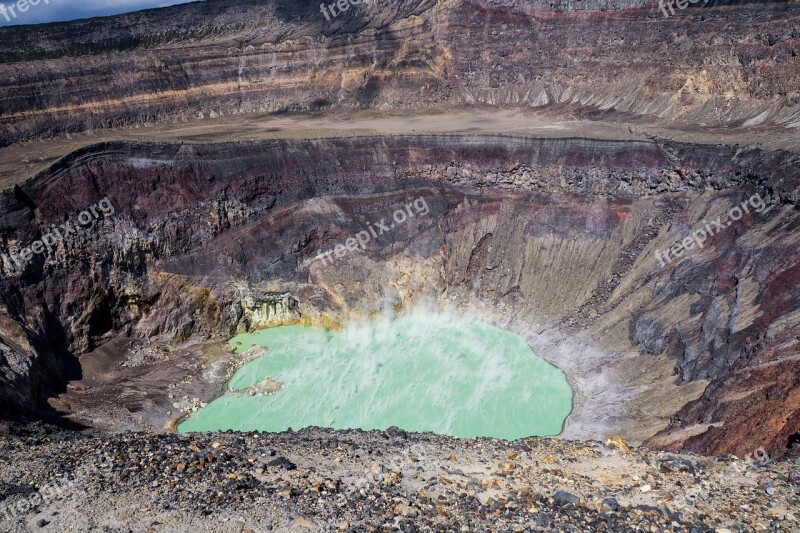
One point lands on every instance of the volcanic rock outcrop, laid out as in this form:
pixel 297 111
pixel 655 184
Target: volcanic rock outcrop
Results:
pixel 555 239
pixel 719 64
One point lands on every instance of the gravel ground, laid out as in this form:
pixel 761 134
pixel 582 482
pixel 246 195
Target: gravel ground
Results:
pixel 325 480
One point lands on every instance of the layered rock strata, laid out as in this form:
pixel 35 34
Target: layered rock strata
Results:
pixel 554 239
pixel 732 64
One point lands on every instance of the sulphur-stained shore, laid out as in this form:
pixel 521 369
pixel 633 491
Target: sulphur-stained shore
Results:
pixel 324 480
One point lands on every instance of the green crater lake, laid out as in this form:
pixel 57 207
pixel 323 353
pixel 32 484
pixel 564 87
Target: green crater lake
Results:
pixel 423 372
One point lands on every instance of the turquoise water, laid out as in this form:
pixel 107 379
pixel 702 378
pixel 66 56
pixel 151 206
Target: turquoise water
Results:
pixel 424 372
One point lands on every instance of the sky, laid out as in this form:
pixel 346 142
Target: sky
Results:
pixel 57 10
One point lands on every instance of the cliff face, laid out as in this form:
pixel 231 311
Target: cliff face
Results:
pixel 719 65
pixel 555 239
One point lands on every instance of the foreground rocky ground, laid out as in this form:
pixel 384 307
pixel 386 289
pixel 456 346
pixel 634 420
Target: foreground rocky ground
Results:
pixel 322 480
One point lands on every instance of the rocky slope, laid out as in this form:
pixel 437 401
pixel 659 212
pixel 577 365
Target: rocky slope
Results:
pixel 722 64
pixel 554 239
pixel 321 480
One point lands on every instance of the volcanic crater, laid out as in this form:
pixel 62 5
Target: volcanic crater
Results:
pixel 616 187
pixel 554 239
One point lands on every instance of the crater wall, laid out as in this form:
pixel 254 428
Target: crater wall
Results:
pixel 724 64
pixel 554 239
